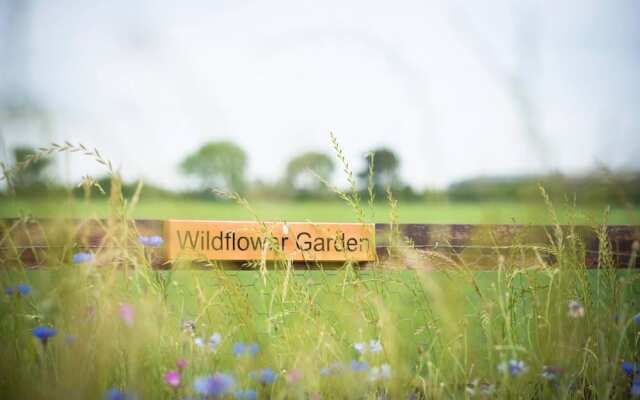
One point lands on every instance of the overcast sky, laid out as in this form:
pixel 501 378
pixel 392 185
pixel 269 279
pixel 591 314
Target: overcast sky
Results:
pixel 506 87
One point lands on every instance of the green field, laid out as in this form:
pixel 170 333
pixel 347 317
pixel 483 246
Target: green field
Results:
pixel 325 211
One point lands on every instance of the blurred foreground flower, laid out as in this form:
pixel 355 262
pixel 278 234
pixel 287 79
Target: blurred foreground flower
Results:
pixel 172 378
pixel 151 241
pixel 248 394
pixel 181 364
pixel 513 367
pixel 43 333
pixel 240 349
pixel 294 375
pixel 382 372
pixel 215 385
pixel 373 346
pixel 82 257
pixel 576 310
pixel 266 376
pixel 359 366
pixel 127 314
pixel 117 394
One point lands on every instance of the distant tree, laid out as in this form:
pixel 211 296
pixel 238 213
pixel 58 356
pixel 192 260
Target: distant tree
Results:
pixel 33 173
pixel 385 170
pixel 300 178
pixel 218 164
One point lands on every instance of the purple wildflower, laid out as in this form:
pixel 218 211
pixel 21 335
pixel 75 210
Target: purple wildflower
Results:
pixel 267 376
pixel 513 367
pixel 172 378
pixel 115 394
pixel 636 319
pixel 82 257
pixel 43 333
pixel 214 341
pixel 9 291
pixel 127 314
pixel 216 385
pixel 359 366
pixel 240 349
pixel 23 289
pixel 151 241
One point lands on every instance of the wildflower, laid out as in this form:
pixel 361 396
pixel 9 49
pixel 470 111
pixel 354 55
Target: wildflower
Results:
pixel 294 375
pixel 240 349
pixel 359 366
pixel 82 257
pixel 127 314
pixel 576 310
pixel 151 241
pixel 636 319
pixel 513 367
pixel 551 373
pixel 635 387
pixel 23 289
pixel 189 327
pixel 181 364
pixel 198 341
pixel 381 372
pixel 172 378
pixel 266 376
pixel 216 385
pixel 248 394
pixel 360 347
pixel 43 333
pixel 8 291
pixel 214 341
pixel 331 369
pixel 375 346
pixel 630 368
pixel 115 394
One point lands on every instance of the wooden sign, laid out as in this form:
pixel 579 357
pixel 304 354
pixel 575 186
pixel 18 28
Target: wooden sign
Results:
pixel 227 240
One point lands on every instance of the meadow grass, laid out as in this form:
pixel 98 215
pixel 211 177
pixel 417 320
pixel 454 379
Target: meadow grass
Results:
pixel 506 212
pixel 532 331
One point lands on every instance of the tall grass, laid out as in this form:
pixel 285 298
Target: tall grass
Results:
pixel 531 331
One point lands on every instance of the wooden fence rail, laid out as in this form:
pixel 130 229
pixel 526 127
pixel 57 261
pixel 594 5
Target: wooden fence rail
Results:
pixel 34 243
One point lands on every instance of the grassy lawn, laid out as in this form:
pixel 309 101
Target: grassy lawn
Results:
pixel 324 211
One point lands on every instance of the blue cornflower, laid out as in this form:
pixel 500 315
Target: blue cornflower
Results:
pixel 636 319
pixel 214 341
pixel 513 367
pixel 23 289
pixel 630 368
pixel 9 291
pixel 240 349
pixel 248 394
pixel 266 376
pixel 635 387
pixel 215 385
pixel 115 394
pixel 151 241
pixel 359 366
pixel 82 257
pixel 43 333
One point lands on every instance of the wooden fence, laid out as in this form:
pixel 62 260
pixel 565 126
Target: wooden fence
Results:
pixel 37 243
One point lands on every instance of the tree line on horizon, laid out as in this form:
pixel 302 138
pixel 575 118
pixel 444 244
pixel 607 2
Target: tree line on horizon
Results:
pixel 223 164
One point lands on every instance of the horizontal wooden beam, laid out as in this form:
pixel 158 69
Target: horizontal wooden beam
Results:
pixel 38 242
